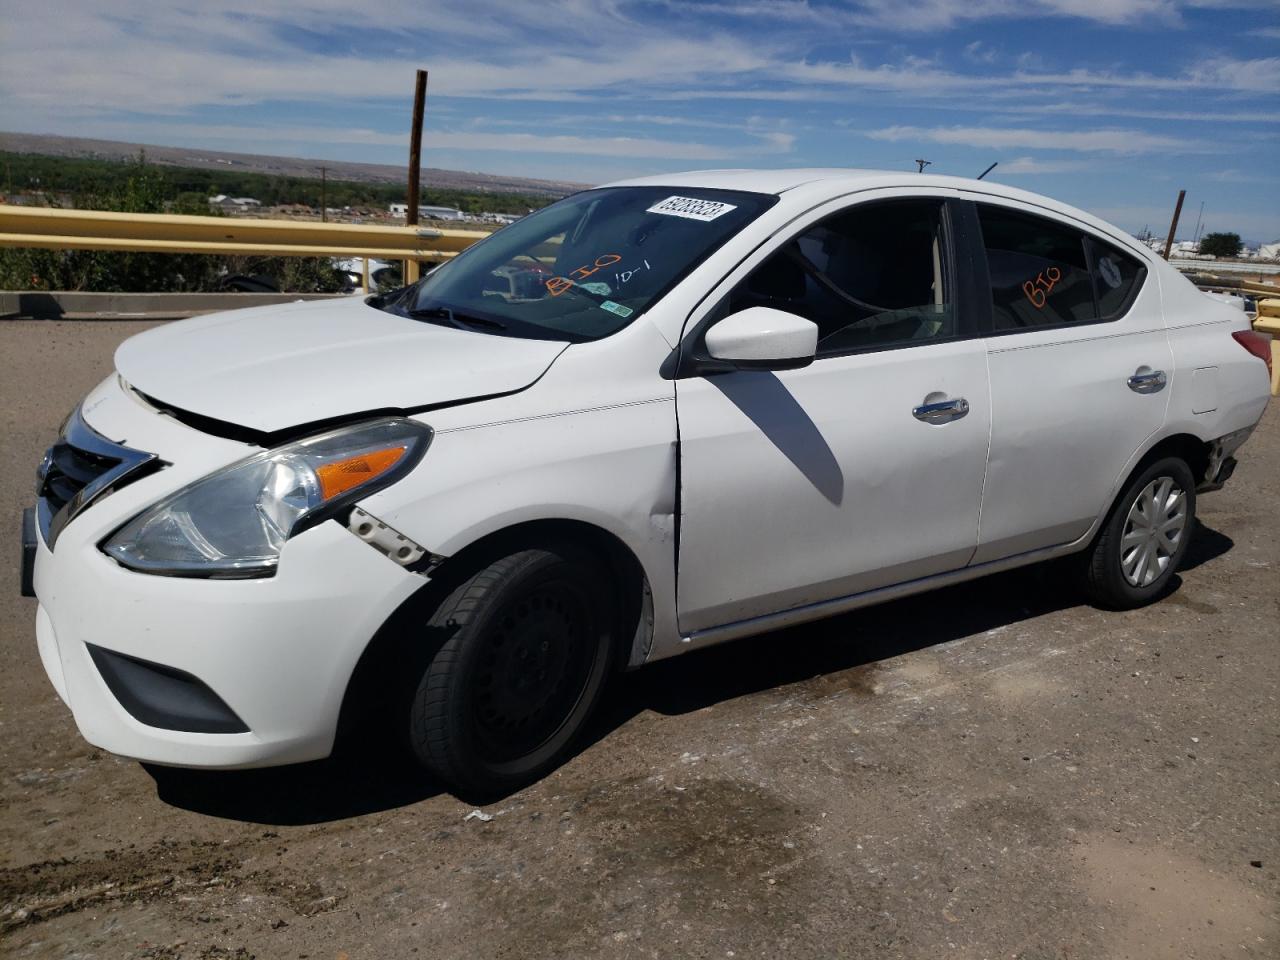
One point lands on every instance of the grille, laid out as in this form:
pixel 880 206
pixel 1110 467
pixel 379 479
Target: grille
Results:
pixel 68 471
pixel 82 467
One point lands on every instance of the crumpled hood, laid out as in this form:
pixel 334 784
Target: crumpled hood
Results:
pixel 270 368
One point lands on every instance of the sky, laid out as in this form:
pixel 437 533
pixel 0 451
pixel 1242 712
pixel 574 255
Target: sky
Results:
pixel 1111 105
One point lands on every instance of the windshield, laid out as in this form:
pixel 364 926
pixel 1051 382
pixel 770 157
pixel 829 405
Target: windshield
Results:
pixel 584 267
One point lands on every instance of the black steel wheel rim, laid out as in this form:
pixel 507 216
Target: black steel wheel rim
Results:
pixel 534 666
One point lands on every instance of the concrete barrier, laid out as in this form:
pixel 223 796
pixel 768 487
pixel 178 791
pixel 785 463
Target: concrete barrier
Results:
pixel 72 305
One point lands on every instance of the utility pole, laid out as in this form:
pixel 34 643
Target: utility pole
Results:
pixel 415 164
pixel 1173 227
pixel 923 164
pixel 324 194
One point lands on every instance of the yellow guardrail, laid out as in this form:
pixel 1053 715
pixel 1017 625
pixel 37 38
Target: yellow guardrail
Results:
pixel 58 229
pixel 1268 321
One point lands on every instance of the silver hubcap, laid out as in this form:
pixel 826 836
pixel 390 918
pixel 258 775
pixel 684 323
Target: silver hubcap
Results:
pixel 1152 531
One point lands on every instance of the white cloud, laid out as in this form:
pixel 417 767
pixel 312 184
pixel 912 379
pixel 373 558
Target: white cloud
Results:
pixel 581 146
pixel 1241 176
pixel 979 52
pixel 1095 109
pixel 935 14
pixel 997 138
pixel 1261 76
pixel 778 142
pixel 62 60
pixel 1029 166
pixel 921 15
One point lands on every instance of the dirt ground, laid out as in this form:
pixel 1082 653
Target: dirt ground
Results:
pixel 989 771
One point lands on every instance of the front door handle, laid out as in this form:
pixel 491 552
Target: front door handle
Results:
pixel 1146 380
pixel 944 411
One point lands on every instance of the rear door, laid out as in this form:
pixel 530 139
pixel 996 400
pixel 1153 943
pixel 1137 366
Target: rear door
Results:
pixel 804 485
pixel 1079 363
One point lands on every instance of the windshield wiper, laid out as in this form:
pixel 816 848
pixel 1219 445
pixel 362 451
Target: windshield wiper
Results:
pixel 462 321
pixel 380 301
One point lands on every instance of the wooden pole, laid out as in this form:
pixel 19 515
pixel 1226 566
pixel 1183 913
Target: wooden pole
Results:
pixel 415 165
pixel 1173 227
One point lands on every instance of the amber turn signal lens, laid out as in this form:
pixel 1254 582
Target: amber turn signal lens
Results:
pixel 341 475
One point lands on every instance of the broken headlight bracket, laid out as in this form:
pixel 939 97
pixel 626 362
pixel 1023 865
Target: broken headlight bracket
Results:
pixel 391 542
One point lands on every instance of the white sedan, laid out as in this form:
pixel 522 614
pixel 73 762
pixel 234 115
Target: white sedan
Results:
pixel 650 417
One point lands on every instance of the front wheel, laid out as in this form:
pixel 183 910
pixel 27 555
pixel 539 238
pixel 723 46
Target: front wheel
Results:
pixel 530 644
pixel 1144 539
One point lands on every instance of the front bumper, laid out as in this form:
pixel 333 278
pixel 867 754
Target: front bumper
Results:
pixel 277 652
pixel 27 578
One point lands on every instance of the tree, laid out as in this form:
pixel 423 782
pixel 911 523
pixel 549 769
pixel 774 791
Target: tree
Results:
pixel 1220 244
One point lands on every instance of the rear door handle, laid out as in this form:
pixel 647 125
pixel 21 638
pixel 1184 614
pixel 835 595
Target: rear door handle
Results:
pixel 1146 380
pixel 944 411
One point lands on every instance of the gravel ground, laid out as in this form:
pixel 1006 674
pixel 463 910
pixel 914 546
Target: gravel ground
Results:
pixel 989 771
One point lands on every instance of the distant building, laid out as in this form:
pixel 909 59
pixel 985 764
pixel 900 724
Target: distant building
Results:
pixel 236 204
pixel 1269 251
pixel 428 213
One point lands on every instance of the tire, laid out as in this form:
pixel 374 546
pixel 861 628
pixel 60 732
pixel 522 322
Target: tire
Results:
pixel 530 645
pixel 1130 563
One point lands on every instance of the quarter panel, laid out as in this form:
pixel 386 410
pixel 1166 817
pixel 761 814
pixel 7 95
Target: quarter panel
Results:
pixel 1200 337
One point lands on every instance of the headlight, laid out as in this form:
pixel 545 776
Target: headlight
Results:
pixel 233 523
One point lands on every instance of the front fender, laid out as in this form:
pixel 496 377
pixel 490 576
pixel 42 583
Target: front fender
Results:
pixel 613 467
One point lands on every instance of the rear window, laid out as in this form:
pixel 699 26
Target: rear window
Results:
pixel 1045 274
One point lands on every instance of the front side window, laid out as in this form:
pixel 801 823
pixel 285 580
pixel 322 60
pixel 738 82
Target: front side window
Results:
pixel 581 268
pixel 870 277
pixel 1046 274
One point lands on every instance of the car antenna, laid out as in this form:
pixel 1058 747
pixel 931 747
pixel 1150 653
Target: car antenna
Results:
pixel 923 164
pixel 988 170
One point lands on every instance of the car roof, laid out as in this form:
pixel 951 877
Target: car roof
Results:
pixel 835 181
pixel 756 181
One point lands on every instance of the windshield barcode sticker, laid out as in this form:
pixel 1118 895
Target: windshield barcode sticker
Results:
pixel 617 308
pixel 691 208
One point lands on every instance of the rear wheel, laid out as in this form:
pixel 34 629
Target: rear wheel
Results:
pixel 530 644
pixel 1144 539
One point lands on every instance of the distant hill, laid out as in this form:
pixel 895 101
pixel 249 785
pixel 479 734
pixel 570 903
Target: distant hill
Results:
pixel 191 157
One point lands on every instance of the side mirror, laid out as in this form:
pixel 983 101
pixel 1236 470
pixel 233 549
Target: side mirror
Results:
pixel 762 338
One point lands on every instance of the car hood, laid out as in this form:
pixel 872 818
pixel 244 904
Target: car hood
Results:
pixel 271 368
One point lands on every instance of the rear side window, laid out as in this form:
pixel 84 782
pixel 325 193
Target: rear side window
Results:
pixel 1039 273
pixel 1117 277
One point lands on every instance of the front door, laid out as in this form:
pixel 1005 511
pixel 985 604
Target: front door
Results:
pixel 862 470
